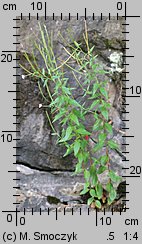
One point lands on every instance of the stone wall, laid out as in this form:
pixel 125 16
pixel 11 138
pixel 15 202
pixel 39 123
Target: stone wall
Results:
pixel 46 176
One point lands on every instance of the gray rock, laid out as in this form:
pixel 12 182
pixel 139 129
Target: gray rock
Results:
pixel 44 190
pixel 53 188
pixel 38 148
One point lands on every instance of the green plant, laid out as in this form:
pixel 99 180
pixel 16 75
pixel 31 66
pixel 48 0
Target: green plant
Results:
pixel 92 154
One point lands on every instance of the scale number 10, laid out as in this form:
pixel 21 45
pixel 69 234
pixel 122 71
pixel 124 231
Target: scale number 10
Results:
pixel 136 90
pixel 7 138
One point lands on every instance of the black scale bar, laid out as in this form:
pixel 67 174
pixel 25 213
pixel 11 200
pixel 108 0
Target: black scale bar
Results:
pixel 14 91
pixel 11 51
pixel 85 14
pixel 14 211
pixel 131 176
pixel 125 48
pixel 16 59
pixel 128 136
pixel 93 16
pixel 13 171
pixel 45 10
pixel 13 131
pixel 17 147
pixel 109 16
pixel 130 96
pixel 125 128
pixel 16 35
pixel 131 16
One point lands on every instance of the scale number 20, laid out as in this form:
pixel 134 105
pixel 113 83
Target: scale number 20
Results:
pixel 135 170
pixel 6 58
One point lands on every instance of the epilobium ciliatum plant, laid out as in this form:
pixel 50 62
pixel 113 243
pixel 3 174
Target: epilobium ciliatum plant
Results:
pixel 91 161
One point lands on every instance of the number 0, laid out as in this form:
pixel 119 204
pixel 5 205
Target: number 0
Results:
pixel 119 6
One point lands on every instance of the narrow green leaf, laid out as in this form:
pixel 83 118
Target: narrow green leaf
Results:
pixel 74 118
pixel 84 191
pixel 86 175
pixel 67 136
pixel 95 87
pixel 112 144
pixel 92 170
pixel 98 147
pixel 94 179
pixel 114 177
pixel 101 169
pixel 104 159
pixel 104 112
pixel 76 147
pixel 98 204
pixel 92 48
pixel 97 125
pixel 112 194
pixel 102 137
pixel 78 168
pixel 80 157
pixel 108 127
pixel 58 116
pixel 82 131
pixel 109 186
pixel 90 200
pixel 96 102
pixel 93 193
pixel 104 92
pixel 109 201
pixel 76 44
pixel 66 90
pixel 69 151
pixel 74 102
pixel 99 190
pixel 79 114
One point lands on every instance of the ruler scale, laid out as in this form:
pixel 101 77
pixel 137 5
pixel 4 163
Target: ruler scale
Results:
pixel 74 226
